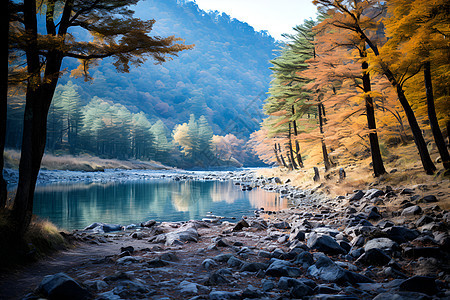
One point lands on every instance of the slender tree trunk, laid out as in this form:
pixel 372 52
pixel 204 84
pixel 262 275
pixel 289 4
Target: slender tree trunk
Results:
pixel 298 154
pixel 291 153
pixel 421 145
pixel 326 160
pixel 38 99
pixel 281 156
pixel 4 32
pixel 438 138
pixel 297 145
pixel 276 155
pixel 377 160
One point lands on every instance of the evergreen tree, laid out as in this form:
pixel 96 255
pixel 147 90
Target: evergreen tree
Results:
pixel 163 146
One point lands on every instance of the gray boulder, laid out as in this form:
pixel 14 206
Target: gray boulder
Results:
pixel 412 211
pixel 187 235
pixel 384 244
pixel 374 257
pixel 278 268
pixel 358 195
pixel 62 286
pixel 325 244
pixel 224 295
pixel 401 234
pixel 421 284
pixel 234 262
pixel 326 270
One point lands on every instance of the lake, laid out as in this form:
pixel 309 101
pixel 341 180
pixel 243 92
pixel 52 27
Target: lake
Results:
pixel 75 206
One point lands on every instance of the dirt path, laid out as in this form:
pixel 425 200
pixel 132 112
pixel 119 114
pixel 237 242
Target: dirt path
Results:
pixel 23 281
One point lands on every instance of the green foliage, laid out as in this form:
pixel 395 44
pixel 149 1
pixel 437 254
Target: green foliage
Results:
pixel 226 70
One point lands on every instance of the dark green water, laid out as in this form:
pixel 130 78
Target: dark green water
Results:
pixel 75 206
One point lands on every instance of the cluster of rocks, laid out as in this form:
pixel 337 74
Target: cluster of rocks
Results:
pixel 372 244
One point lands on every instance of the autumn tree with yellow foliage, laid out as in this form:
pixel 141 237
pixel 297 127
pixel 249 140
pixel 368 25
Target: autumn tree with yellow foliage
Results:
pixel 113 32
pixel 417 34
pixel 350 10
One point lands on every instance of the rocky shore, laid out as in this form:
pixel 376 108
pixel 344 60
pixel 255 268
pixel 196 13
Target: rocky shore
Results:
pixel 380 243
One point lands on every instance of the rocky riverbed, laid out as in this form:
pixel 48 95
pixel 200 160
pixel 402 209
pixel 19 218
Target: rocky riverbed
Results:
pixel 380 243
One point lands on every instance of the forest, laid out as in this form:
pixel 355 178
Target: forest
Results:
pixel 222 80
pixel 135 121
pixel 360 81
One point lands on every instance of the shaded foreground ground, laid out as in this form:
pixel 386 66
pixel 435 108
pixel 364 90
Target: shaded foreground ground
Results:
pixel 373 243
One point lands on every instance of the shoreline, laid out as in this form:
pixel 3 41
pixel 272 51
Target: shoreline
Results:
pixel 373 243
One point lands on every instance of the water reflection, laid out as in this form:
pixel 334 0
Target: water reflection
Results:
pixel 76 206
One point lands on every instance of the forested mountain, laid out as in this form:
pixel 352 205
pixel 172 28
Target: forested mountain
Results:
pixel 225 77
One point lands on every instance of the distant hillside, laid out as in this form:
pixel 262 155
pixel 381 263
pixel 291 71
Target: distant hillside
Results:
pixel 224 78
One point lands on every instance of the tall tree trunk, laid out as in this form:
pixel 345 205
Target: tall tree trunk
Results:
pixel 297 145
pixel 4 33
pixel 276 155
pixel 38 99
pixel 421 145
pixel 281 156
pixel 298 154
pixel 291 153
pixel 438 138
pixel 377 160
pixel 326 159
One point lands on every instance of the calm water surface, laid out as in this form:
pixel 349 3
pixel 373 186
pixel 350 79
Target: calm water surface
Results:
pixel 75 206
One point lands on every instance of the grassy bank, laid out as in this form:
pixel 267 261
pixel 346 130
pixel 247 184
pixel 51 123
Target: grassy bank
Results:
pixel 42 239
pixel 83 163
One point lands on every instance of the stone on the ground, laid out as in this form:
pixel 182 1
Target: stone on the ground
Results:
pixel 208 264
pixel 421 284
pixel 402 296
pixel 234 262
pixel 253 267
pixel 216 278
pixel 304 259
pixel 224 295
pixel 96 285
pixel 62 286
pixel 278 268
pixel 358 195
pixel 374 257
pixel 126 288
pixel 412 211
pixel 384 244
pixel 241 224
pixel 148 223
pixel 325 244
pixel 188 288
pixel 187 235
pixel 401 234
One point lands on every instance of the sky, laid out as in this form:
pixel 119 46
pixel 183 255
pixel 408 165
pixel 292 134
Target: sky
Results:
pixel 275 16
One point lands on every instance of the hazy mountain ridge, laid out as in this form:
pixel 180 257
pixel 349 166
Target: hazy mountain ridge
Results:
pixel 225 77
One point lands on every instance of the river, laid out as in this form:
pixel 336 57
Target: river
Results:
pixel 135 199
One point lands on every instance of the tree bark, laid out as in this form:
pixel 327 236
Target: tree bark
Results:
pixel 38 99
pixel 437 134
pixel 377 160
pixel 281 156
pixel 297 146
pixel 326 159
pixel 298 154
pixel 276 155
pixel 291 152
pixel 4 33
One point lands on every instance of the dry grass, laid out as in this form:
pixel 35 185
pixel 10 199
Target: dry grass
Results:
pixel 41 239
pixel 82 163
